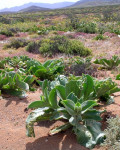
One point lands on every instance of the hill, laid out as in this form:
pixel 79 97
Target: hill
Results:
pixel 33 9
pixel 91 3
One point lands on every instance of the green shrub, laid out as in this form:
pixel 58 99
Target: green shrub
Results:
pixel 87 27
pixel 112 141
pixel 61 44
pixel 116 31
pixel 74 22
pixel 100 37
pixel 6 32
pixel 15 83
pixel 54 45
pixel 33 47
pixel 76 47
pixel 78 65
pixel 16 43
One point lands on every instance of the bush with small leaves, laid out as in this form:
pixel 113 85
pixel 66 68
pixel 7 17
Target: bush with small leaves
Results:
pixel 76 47
pixel 61 44
pixel 17 43
pixel 100 37
pixel 33 47
pixel 54 45
pixel 87 27
pixel 112 141
pixel 6 32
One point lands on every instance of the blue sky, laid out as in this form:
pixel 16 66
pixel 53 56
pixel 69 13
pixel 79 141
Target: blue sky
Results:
pixel 11 3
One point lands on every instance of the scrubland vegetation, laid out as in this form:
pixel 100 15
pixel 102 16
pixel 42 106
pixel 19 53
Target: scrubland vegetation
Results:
pixel 71 88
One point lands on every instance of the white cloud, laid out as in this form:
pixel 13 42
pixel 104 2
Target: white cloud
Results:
pixel 11 3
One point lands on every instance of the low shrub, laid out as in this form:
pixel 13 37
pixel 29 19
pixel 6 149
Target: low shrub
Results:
pixel 61 44
pixel 116 31
pixel 100 37
pixel 112 141
pixel 54 45
pixel 16 43
pixel 33 47
pixel 6 32
pixel 75 47
pixel 87 27
pixel 78 65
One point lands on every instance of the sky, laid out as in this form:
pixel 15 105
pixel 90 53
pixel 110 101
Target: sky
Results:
pixel 11 3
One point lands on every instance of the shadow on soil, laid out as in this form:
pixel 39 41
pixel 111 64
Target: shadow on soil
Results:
pixel 61 141
pixel 46 124
pixel 16 99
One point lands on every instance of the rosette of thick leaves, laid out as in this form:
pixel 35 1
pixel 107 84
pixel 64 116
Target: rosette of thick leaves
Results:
pixel 108 63
pixel 70 102
pixel 48 70
pixel 15 83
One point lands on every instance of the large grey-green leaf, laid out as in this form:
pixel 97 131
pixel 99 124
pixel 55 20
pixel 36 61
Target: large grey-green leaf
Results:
pixel 61 91
pixel 88 88
pixel 35 116
pixel 60 113
pixel 53 98
pixel 72 97
pixel 89 135
pixel 59 129
pixel 45 85
pixel 92 115
pixel 88 105
pixel 39 104
pixel 30 79
pixel 70 106
pixel 95 129
pixel 22 85
pixel 72 86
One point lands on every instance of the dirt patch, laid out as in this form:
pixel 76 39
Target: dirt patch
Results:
pixel 12 128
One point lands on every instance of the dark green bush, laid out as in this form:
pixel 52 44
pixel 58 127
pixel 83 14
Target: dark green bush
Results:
pixel 87 27
pixel 100 37
pixel 116 31
pixel 58 44
pixel 6 32
pixel 33 47
pixel 61 44
pixel 16 43
pixel 74 22
pixel 54 45
pixel 76 47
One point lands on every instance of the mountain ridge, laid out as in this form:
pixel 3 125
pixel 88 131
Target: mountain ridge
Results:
pixel 92 3
pixel 33 9
pixel 44 5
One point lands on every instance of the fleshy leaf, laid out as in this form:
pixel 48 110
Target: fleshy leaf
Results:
pixel 69 105
pixel 60 129
pixel 35 116
pixel 53 98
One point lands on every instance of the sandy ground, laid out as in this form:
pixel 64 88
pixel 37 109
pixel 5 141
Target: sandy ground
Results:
pixel 13 132
pixel 12 127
